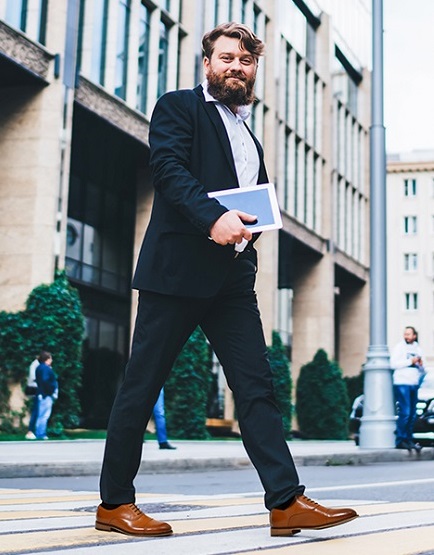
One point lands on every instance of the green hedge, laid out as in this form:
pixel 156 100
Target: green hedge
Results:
pixel 322 399
pixel 51 321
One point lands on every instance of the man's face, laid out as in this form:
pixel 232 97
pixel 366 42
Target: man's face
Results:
pixel 231 72
pixel 409 335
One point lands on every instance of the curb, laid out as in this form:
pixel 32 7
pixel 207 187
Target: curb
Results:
pixel 91 468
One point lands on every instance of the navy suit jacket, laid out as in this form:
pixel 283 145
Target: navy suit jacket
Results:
pixel 190 155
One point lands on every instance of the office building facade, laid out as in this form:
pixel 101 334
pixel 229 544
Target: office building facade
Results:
pixel 410 248
pixel 78 82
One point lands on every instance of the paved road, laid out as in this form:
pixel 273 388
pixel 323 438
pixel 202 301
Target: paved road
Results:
pixel 61 521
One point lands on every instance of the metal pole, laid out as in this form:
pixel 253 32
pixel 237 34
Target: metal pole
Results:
pixel 378 421
pixel 69 82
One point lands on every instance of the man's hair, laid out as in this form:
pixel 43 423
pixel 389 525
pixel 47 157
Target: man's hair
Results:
pixel 412 329
pixel 247 39
pixel 44 356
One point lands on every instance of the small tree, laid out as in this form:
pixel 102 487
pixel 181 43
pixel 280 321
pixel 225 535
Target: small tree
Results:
pixel 186 390
pixel 281 380
pixel 322 399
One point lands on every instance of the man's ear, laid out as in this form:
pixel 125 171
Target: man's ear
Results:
pixel 206 63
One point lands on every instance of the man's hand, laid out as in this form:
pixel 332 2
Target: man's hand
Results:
pixel 230 229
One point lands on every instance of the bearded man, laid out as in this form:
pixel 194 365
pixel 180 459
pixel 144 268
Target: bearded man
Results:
pixel 197 266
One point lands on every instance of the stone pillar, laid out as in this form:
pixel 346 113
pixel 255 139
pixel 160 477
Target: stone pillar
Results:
pixel 353 328
pixel 30 151
pixel 313 309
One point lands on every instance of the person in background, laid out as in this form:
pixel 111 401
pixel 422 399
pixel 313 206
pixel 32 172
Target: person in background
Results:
pixel 47 393
pixel 160 422
pixel 31 390
pixel 407 362
pixel 197 266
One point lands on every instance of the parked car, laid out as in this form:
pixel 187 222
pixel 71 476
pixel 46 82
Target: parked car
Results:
pixel 424 425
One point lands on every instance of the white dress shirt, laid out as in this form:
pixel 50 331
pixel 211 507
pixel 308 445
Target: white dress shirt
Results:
pixel 243 147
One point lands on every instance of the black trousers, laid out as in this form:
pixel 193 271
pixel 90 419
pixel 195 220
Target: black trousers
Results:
pixel 231 322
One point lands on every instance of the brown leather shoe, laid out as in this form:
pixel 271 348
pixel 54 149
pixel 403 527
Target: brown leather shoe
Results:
pixel 129 519
pixel 303 513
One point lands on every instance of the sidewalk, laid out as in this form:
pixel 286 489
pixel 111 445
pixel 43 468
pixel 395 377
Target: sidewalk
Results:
pixel 83 457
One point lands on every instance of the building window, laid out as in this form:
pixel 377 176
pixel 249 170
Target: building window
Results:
pixel 410 262
pixel 284 315
pixel 99 40
pixel 142 81
pixel 101 207
pixel 231 10
pixel 256 16
pixel 29 17
pixel 123 33
pixel 410 225
pixel 243 10
pixel 411 301
pixel 163 58
pixel 16 13
pixel 410 187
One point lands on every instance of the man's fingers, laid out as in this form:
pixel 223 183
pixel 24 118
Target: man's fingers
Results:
pixel 245 216
pixel 230 228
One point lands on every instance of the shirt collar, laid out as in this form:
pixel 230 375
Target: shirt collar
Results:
pixel 243 112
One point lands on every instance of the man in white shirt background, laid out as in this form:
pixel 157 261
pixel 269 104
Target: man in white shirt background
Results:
pixel 407 362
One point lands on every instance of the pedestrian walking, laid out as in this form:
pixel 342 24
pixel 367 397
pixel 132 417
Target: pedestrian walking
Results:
pixel 47 393
pixel 197 266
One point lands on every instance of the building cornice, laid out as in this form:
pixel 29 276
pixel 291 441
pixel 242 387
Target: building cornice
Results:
pixel 351 265
pixel 303 234
pixel 18 48
pixel 97 100
pixel 404 167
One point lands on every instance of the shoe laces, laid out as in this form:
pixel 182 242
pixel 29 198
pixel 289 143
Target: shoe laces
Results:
pixel 309 500
pixel 135 509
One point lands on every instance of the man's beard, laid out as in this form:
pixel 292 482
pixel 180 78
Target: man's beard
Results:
pixel 231 92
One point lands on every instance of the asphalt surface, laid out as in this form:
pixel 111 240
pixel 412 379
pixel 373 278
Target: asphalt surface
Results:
pixel 46 521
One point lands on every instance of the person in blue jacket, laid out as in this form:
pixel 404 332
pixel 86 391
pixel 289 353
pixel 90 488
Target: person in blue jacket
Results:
pixel 46 381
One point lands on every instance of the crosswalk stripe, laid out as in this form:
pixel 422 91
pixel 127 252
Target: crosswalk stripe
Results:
pixel 237 523
pixel 395 542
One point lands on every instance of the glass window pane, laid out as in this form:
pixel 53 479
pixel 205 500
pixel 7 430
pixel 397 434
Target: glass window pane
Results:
pixel 142 81
pixel 16 12
pixel 122 48
pixel 163 58
pixel 99 37
pixel 107 335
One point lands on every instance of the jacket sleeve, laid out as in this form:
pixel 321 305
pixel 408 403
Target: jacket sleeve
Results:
pixel 171 136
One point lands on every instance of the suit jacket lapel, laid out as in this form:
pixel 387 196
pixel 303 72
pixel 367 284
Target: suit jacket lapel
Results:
pixel 214 116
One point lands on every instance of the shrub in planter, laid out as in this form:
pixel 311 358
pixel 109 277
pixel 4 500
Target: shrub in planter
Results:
pixel 322 399
pixel 281 380
pixel 186 390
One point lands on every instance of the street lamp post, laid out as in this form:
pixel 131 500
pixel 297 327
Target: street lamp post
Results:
pixel 378 421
